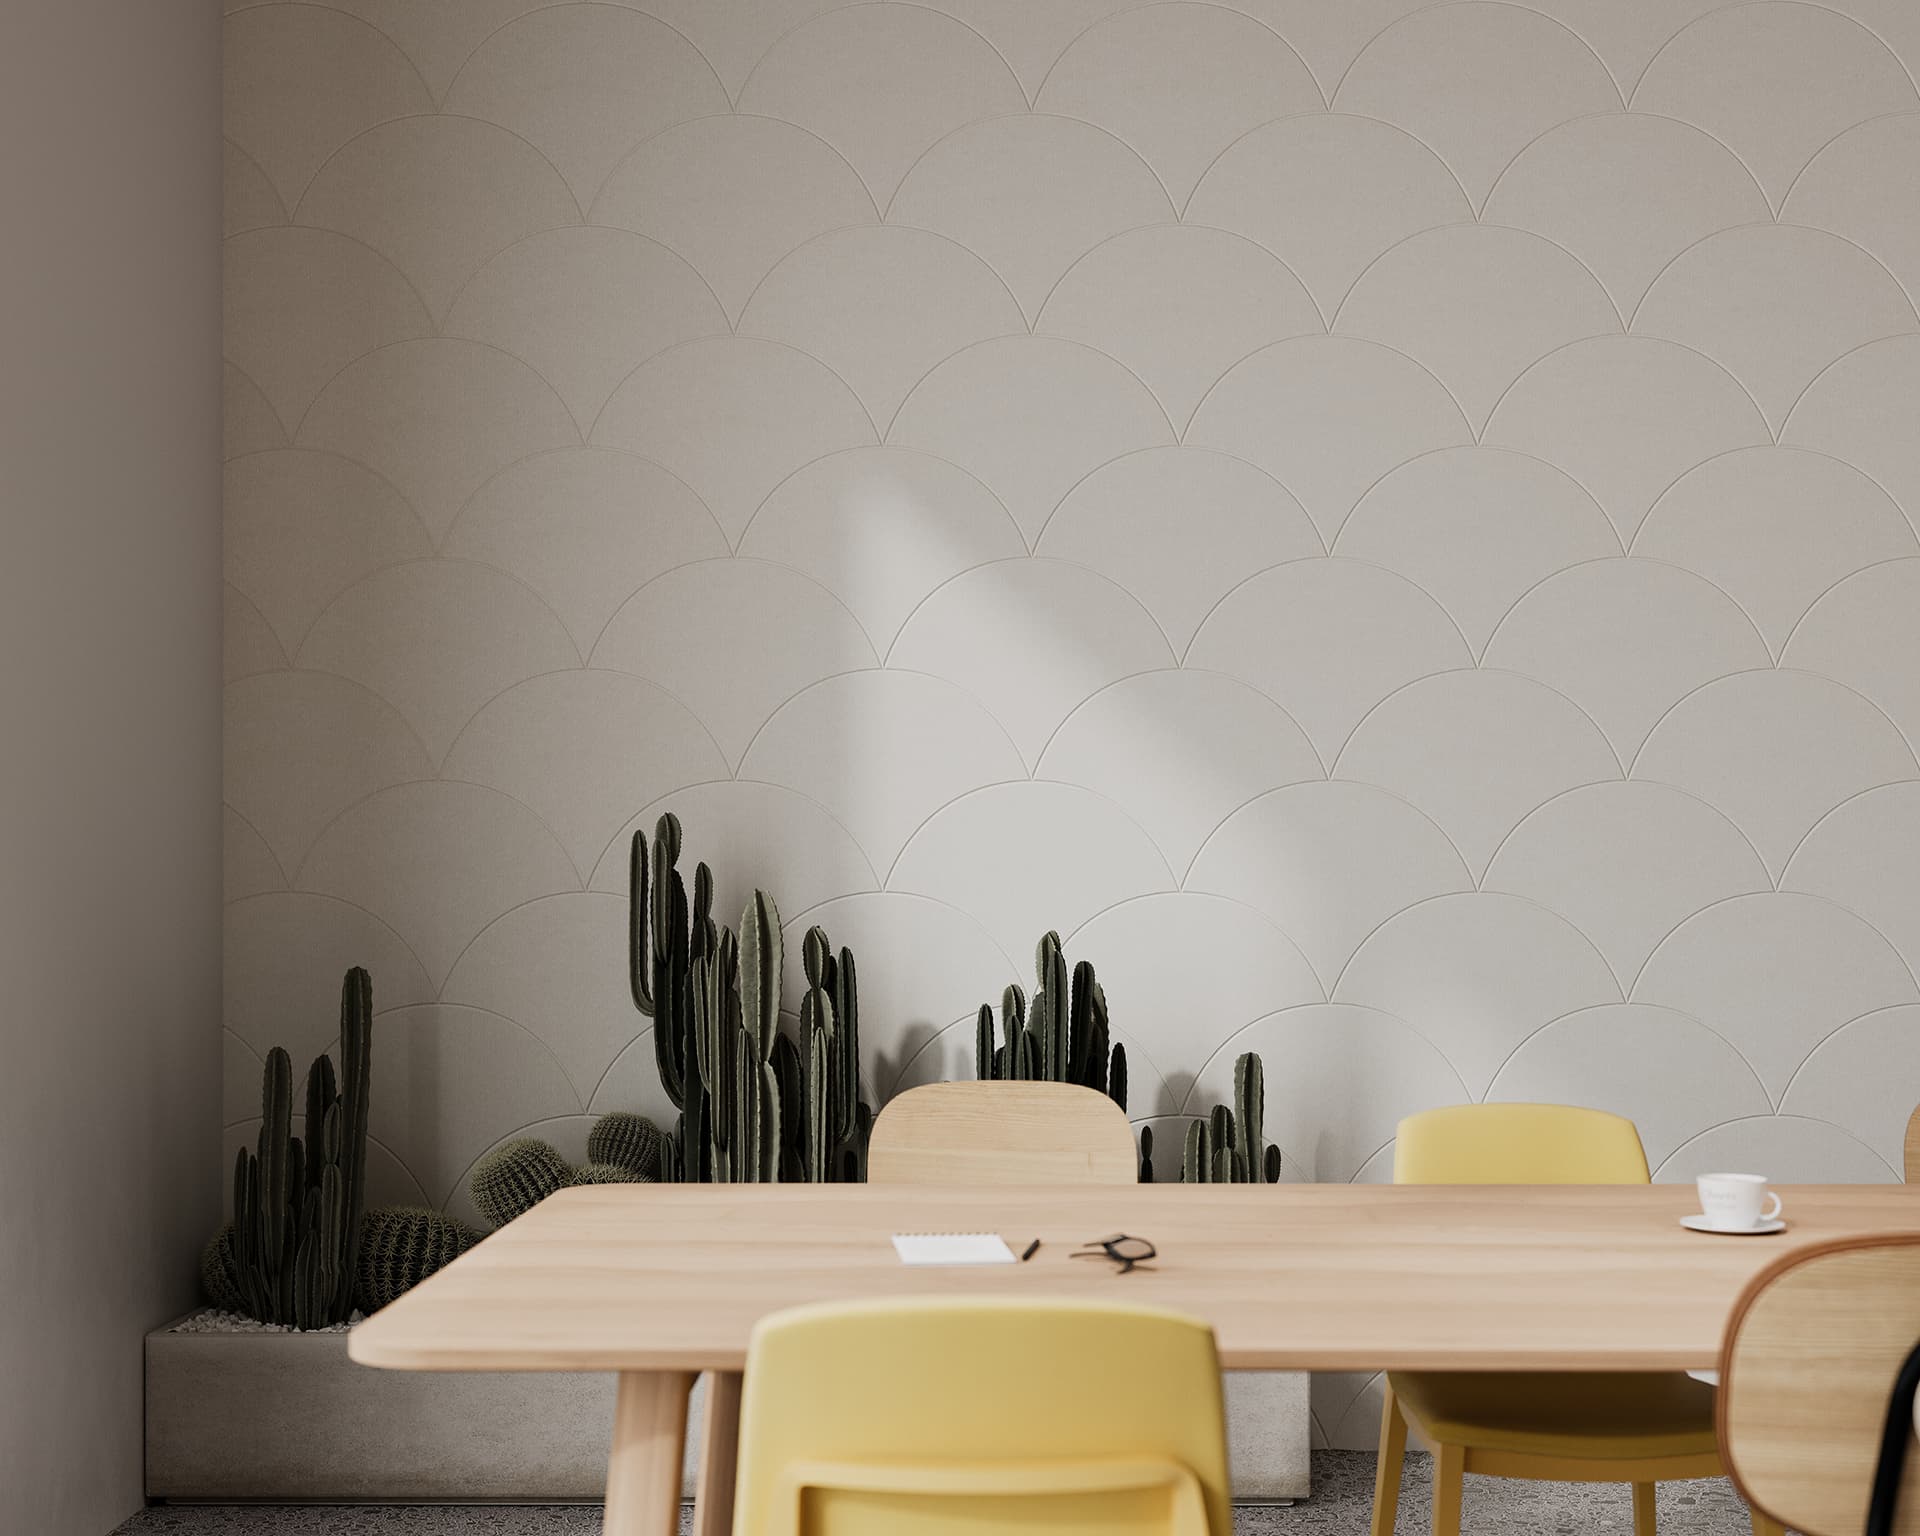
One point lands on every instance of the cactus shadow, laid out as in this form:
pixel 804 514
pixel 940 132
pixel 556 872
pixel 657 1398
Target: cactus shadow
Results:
pixel 890 1062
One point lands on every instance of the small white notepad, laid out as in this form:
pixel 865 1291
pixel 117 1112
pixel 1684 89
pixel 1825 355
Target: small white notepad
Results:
pixel 951 1248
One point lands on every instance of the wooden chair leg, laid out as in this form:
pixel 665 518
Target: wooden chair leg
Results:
pixel 1762 1526
pixel 1449 1463
pixel 1386 1475
pixel 1643 1517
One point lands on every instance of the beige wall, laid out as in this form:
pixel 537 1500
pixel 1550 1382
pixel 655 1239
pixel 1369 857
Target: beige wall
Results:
pixel 1389 524
pixel 109 727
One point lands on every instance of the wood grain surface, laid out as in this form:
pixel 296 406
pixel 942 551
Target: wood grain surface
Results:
pixel 1309 1276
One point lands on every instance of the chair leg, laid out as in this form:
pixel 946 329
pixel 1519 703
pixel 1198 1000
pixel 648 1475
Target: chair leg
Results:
pixel 1643 1519
pixel 1386 1476
pixel 1762 1526
pixel 1449 1463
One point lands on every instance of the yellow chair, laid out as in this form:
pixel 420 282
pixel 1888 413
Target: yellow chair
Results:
pixel 1632 1427
pixel 1912 1148
pixel 936 1416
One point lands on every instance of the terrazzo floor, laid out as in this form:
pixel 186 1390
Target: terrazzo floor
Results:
pixel 1341 1502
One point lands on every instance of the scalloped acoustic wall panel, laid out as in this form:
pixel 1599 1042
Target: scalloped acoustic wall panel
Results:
pixel 1390 525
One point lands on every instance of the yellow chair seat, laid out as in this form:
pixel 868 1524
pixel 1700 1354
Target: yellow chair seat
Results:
pixel 1588 1415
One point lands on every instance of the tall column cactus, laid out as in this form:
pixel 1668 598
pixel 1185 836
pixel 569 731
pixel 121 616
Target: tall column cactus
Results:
pixel 1062 1037
pixel 835 1145
pixel 743 1014
pixel 817 1056
pixel 1249 1114
pixel 714 988
pixel 666 938
pixel 298 1201
pixel 790 1082
pixel 1013 1061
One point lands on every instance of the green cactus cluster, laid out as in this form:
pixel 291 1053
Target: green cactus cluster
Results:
pixel 292 1253
pixel 756 1104
pixel 400 1246
pixel 1229 1145
pixel 1062 1037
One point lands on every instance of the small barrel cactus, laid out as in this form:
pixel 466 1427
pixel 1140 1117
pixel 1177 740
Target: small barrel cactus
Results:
pixel 515 1177
pixel 609 1173
pixel 625 1141
pixel 218 1279
pixel 400 1246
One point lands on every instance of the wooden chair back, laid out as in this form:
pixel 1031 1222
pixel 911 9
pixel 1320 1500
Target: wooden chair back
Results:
pixel 1002 1133
pixel 1913 1148
pixel 1806 1370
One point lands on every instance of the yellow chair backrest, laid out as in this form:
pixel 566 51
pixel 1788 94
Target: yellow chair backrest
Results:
pixel 939 1416
pixel 1002 1133
pixel 1806 1374
pixel 1518 1144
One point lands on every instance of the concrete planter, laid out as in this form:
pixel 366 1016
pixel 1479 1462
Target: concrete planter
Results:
pixel 289 1418
pixel 1267 1435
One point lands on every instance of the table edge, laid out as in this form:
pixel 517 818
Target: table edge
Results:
pixel 376 1356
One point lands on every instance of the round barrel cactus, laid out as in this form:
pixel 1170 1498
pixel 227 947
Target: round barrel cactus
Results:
pixel 609 1173
pixel 400 1246
pixel 626 1141
pixel 515 1177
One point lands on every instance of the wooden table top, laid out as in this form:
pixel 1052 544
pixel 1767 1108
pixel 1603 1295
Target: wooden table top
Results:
pixel 1330 1277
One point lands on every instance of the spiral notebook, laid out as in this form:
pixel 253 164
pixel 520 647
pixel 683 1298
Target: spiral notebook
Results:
pixel 951 1248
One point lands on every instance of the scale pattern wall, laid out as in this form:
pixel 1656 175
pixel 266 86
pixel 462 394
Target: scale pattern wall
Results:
pixel 1391 525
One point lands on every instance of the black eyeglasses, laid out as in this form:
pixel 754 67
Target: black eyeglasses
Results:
pixel 1123 1250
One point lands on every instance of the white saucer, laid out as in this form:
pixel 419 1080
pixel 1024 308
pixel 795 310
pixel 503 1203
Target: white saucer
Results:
pixel 1701 1224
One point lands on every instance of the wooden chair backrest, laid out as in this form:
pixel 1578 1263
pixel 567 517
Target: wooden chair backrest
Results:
pixel 1810 1357
pixel 1002 1133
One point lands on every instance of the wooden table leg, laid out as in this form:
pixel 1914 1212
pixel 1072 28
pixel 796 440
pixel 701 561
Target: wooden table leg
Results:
pixel 719 1448
pixel 649 1444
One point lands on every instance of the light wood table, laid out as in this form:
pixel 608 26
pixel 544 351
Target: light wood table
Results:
pixel 660 1282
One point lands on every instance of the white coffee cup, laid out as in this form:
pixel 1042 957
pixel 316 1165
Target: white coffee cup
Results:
pixel 1735 1201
